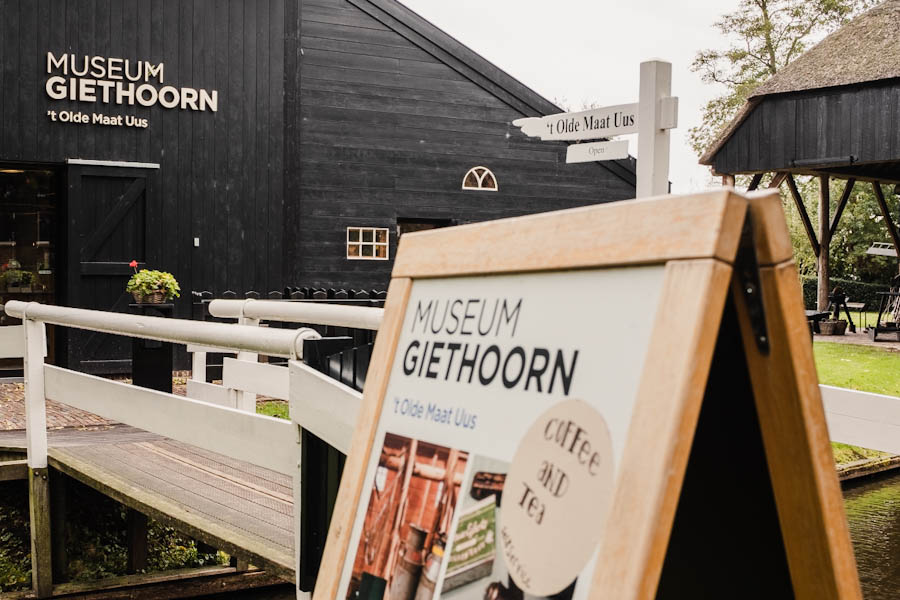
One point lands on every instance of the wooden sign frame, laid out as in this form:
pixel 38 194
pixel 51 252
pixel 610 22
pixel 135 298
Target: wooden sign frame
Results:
pixel 727 259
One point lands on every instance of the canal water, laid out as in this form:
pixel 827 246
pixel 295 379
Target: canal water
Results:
pixel 873 511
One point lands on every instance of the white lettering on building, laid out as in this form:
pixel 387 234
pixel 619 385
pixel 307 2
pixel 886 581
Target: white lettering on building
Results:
pixel 106 80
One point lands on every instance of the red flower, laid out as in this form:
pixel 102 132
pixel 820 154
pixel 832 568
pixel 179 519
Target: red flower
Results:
pixel 133 264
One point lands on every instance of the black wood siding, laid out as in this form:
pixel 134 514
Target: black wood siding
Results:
pixel 360 121
pixel 389 129
pixel 221 175
pixel 858 121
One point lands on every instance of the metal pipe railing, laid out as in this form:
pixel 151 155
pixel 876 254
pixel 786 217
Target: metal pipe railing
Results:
pixel 240 338
pixel 357 317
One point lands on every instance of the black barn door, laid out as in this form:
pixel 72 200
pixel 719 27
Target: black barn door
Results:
pixel 107 229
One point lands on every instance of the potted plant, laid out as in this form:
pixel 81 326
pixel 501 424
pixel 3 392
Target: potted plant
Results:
pixel 14 278
pixel 152 287
pixel 26 282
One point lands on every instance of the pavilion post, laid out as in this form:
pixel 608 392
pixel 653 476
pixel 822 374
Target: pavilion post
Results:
pixel 888 219
pixel 824 242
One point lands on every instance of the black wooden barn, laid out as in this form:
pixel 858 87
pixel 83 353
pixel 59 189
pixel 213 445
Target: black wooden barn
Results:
pixel 833 113
pixel 250 145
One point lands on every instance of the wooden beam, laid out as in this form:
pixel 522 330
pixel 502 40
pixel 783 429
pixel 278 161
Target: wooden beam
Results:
pixel 59 518
pixel 39 513
pixel 172 584
pixel 892 227
pixel 848 189
pixel 728 180
pixel 137 541
pixel 13 470
pixel 754 183
pixel 824 243
pixel 777 180
pixel 804 216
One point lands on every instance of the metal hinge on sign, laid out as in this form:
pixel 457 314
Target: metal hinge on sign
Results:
pixel 747 270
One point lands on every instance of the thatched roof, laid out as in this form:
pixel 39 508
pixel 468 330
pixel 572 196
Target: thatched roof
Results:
pixel 865 49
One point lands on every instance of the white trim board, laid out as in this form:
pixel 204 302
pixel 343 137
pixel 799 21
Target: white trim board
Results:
pixel 111 163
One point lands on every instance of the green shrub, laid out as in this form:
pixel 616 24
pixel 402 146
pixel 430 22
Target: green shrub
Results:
pixel 856 290
pixel 15 540
pixel 97 545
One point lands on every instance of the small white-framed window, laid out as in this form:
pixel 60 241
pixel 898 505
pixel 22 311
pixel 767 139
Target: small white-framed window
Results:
pixel 480 178
pixel 367 243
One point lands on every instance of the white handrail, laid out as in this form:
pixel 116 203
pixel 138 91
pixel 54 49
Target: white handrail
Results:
pixel 242 338
pixel 359 317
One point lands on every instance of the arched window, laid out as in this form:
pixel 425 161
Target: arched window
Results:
pixel 480 178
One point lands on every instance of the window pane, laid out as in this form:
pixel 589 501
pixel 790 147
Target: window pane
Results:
pixel 471 180
pixel 381 251
pixel 353 235
pixel 367 235
pixel 381 236
pixel 488 182
pixel 367 251
pixel 353 250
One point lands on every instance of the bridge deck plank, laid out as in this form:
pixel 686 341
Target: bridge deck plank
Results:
pixel 240 508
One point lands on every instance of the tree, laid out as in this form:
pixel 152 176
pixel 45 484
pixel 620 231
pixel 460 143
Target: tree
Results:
pixel 765 35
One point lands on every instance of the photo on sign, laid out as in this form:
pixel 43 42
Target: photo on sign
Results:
pixel 407 523
pixel 476 569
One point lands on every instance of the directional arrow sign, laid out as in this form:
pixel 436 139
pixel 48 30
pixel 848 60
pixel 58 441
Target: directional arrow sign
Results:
pixel 595 123
pixel 577 153
pixel 585 125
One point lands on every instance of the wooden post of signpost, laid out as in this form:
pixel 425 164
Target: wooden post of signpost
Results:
pixel 653 140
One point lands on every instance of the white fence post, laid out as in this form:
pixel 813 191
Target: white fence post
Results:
pixel 246 401
pixel 298 487
pixel 35 401
pixel 198 367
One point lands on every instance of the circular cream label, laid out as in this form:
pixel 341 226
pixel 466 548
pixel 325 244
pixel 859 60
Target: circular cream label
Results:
pixel 556 497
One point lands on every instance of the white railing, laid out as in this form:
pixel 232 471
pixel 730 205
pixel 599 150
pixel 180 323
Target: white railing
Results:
pixel 12 341
pixel 132 405
pixel 319 404
pixel 243 377
pixel 862 418
pixel 338 315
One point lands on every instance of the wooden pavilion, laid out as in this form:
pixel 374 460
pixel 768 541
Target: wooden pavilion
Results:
pixel 833 113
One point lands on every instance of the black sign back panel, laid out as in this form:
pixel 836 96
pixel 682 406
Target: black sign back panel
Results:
pixel 726 541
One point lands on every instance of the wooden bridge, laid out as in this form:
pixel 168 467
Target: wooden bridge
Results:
pixel 211 469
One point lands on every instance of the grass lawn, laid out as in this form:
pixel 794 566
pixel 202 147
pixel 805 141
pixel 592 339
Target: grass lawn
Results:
pixel 273 408
pixel 858 368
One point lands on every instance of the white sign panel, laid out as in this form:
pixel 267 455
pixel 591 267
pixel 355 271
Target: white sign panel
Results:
pixel 585 125
pixel 579 153
pixel 480 362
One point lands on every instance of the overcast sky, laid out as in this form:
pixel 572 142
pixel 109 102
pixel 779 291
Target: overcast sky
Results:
pixel 586 51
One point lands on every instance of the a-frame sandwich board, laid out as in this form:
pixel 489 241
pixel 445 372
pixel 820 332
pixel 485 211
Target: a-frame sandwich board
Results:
pixel 680 321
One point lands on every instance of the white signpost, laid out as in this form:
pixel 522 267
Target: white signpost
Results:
pixel 651 117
